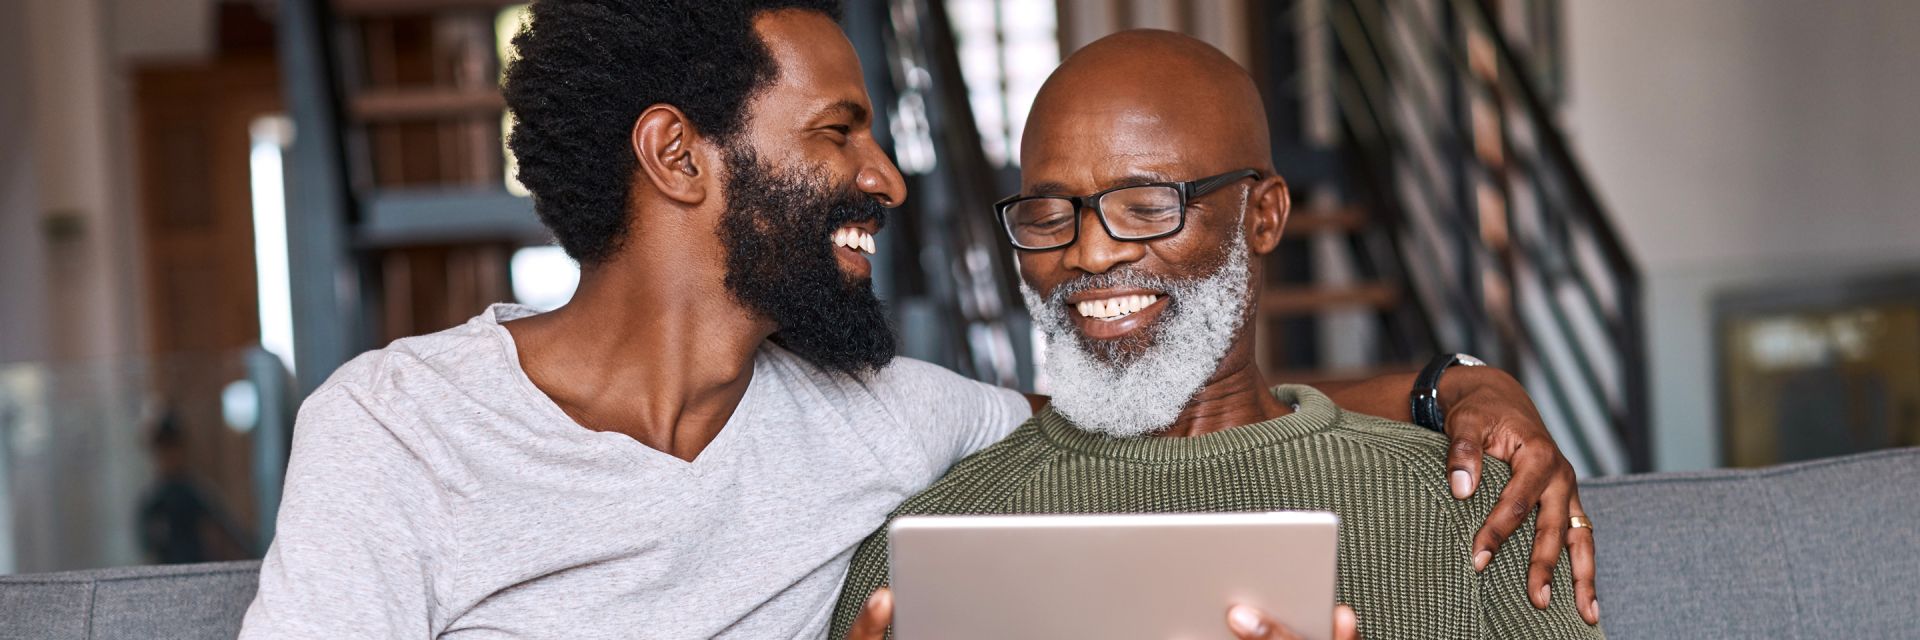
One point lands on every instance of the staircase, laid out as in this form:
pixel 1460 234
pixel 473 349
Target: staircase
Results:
pixel 1465 224
pixel 398 207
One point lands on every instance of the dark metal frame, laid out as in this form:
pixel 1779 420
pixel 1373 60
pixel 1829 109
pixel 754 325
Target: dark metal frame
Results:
pixel 324 272
pixel 1188 190
pixel 1824 294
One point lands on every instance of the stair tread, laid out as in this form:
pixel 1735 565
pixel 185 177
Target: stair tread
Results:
pixel 425 103
pixel 400 7
pixel 1298 299
pixel 1325 220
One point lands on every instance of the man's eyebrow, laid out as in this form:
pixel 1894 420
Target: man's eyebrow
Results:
pixel 1048 189
pixel 1131 179
pixel 853 110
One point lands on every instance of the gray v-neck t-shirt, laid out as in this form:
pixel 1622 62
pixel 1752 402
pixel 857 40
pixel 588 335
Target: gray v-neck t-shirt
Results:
pixel 435 492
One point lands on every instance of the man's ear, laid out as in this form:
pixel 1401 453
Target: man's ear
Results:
pixel 1267 209
pixel 671 154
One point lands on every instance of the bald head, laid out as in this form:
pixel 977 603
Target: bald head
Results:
pixel 1151 91
pixel 1144 303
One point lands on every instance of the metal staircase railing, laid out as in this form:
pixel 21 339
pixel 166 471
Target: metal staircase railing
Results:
pixel 1508 252
pixel 949 273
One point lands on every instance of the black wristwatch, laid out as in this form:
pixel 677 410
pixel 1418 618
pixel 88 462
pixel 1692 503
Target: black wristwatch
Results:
pixel 1426 389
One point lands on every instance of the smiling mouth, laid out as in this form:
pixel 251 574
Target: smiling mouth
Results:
pixel 854 238
pixel 851 246
pixel 1117 315
pixel 1115 308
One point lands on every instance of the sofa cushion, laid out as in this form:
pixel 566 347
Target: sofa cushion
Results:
pixel 186 601
pixel 1811 550
pixel 35 608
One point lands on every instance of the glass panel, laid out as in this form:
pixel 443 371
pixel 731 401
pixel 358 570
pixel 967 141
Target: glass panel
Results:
pixel 1820 383
pixel 157 460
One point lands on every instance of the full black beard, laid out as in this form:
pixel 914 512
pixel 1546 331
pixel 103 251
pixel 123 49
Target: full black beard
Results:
pixel 778 230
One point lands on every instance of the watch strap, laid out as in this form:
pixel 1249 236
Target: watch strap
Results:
pixel 1425 400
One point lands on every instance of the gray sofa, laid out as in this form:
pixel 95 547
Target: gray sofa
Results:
pixel 1824 549
pixel 181 601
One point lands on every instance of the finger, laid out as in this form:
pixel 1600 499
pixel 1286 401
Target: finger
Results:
pixel 1580 546
pixel 1463 462
pixel 874 617
pixel 1549 537
pixel 1248 623
pixel 1346 624
pixel 1533 468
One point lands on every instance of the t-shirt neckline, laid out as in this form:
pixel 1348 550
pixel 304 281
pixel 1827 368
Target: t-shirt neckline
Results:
pixel 499 313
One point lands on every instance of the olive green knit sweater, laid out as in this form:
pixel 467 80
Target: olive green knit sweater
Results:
pixel 1404 560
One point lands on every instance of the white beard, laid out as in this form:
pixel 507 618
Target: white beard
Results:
pixel 1124 397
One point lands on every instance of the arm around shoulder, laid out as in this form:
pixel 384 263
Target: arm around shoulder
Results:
pixel 953 415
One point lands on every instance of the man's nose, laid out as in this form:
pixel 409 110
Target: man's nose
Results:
pixel 1096 251
pixel 880 179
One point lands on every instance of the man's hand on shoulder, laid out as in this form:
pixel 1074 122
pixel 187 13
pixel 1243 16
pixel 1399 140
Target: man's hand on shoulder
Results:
pixel 1489 413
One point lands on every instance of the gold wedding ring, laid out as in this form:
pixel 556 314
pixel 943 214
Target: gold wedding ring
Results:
pixel 1582 522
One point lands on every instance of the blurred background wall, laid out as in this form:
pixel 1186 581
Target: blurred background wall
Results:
pixel 1745 144
pixel 24 277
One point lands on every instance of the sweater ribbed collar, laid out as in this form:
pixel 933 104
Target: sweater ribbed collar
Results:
pixel 1315 413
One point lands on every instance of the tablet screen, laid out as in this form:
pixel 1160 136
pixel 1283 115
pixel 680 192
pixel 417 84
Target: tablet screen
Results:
pixel 1150 576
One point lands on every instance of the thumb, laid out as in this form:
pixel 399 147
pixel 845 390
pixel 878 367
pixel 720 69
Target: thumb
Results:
pixel 1248 623
pixel 1346 625
pixel 874 618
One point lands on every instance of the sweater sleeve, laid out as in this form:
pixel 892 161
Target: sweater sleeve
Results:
pixel 1506 610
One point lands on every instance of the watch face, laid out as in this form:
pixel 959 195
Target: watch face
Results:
pixel 1464 359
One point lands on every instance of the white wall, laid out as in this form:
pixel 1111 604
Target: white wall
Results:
pixel 66 146
pixel 163 29
pixel 1743 144
pixel 74 111
pixel 23 325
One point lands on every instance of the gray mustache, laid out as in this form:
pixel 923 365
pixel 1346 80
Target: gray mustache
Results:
pixel 1111 280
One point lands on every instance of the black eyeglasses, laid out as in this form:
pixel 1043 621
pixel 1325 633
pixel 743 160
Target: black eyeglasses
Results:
pixel 1135 212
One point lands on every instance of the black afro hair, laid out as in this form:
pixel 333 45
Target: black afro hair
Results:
pixel 586 69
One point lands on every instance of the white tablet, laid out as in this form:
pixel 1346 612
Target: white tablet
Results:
pixel 1147 576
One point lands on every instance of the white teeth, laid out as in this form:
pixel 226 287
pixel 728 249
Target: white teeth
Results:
pixel 853 238
pixel 1116 307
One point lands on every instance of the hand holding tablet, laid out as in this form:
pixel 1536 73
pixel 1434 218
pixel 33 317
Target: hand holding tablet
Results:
pixel 1262 575
pixel 1247 623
